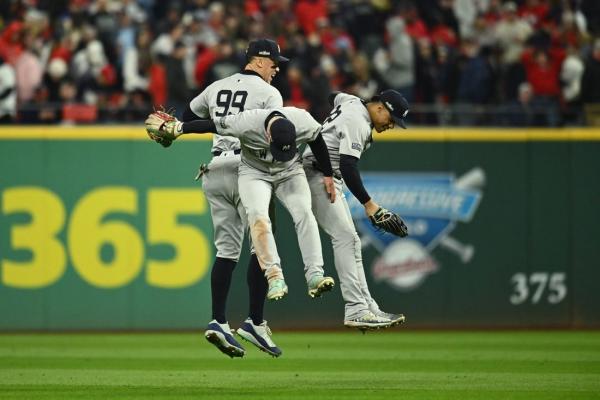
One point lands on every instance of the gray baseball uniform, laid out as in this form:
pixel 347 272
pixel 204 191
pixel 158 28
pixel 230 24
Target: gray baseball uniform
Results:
pixel 242 91
pixel 260 175
pixel 347 130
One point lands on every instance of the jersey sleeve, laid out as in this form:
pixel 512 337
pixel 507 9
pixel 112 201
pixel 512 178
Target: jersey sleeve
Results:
pixel 342 98
pixel 238 125
pixel 199 104
pixel 351 142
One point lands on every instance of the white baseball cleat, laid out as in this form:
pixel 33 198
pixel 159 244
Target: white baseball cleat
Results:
pixel 368 321
pixel 396 319
pixel 220 335
pixel 260 336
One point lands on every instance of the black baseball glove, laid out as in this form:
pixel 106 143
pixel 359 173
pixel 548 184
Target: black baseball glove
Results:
pixel 389 222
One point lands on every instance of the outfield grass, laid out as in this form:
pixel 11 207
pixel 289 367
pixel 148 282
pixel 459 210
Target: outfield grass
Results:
pixel 343 365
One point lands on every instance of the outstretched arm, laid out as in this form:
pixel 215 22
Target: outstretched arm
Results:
pixel 163 128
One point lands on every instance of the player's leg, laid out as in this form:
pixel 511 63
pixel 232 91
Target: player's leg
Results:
pixel 255 329
pixel 294 193
pixel 255 193
pixel 395 319
pixel 257 283
pixel 228 236
pixel 334 220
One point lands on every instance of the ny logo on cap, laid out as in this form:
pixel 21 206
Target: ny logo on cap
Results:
pixel 286 147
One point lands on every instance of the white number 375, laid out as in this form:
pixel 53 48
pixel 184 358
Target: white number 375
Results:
pixel 536 285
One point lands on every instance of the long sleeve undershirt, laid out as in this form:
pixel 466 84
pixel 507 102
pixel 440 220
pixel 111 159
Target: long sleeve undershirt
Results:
pixel 199 126
pixel 319 149
pixel 349 170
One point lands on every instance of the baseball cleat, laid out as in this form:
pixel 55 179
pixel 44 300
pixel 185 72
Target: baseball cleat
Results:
pixel 260 336
pixel 396 319
pixel 368 321
pixel 319 284
pixel 220 335
pixel 277 289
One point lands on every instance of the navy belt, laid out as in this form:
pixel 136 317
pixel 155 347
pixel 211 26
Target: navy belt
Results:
pixel 218 152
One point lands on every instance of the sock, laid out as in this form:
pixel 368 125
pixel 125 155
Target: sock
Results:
pixel 257 290
pixel 220 280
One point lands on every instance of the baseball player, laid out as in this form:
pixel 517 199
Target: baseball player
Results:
pixel 270 163
pixel 249 89
pixel 347 131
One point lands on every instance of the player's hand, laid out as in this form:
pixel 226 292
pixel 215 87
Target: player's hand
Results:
pixel 329 188
pixel 162 127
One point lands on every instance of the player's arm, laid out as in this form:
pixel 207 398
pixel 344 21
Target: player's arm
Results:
pixel 319 149
pixel 352 179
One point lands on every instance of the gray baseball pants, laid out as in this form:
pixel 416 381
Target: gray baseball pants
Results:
pixel 291 188
pixel 335 219
pixel 220 187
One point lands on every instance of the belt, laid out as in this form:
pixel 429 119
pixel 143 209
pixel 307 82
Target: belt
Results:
pixel 217 153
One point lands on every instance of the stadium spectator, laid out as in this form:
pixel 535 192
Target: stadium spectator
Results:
pixel 396 64
pixel 572 69
pixel 510 34
pixel 29 71
pixel 178 92
pixel 476 82
pixel 543 73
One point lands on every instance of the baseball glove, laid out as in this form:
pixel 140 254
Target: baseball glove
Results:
pixel 388 221
pixel 162 127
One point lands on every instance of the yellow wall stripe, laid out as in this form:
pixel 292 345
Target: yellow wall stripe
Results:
pixel 137 132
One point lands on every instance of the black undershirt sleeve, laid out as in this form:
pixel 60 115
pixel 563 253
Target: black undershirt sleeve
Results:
pixel 319 149
pixel 349 170
pixel 199 126
pixel 189 115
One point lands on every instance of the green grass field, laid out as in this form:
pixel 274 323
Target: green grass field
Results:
pixel 336 365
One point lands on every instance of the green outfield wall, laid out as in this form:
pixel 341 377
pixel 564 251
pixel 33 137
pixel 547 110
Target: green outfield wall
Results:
pixel 100 228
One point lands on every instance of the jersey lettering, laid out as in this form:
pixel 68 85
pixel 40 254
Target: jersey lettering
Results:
pixel 262 153
pixel 227 99
pixel 336 112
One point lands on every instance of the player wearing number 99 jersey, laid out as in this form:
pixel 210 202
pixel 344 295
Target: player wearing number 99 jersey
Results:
pixel 246 90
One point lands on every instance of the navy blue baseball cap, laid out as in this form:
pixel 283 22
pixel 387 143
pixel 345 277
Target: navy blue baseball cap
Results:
pixel 395 103
pixel 265 48
pixel 283 140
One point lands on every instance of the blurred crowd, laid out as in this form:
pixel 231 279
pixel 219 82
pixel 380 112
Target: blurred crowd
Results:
pixel 516 63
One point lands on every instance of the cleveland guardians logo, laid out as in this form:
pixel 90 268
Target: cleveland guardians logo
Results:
pixel 431 204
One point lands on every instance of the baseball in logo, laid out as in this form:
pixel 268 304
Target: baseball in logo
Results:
pixel 431 204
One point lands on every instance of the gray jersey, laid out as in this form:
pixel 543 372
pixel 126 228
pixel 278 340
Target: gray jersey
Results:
pixel 231 95
pixel 347 130
pixel 249 128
